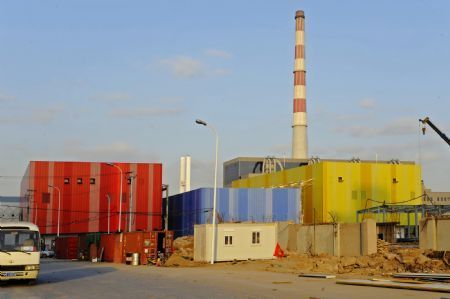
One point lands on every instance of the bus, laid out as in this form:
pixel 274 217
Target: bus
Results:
pixel 20 254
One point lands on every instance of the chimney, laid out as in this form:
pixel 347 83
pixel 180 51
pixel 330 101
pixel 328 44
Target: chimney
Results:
pixel 185 174
pixel 299 124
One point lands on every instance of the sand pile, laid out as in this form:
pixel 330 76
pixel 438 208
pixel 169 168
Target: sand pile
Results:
pixel 183 254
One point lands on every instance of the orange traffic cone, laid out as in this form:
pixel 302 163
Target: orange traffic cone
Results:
pixel 279 253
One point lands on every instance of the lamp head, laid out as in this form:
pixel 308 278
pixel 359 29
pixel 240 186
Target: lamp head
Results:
pixel 200 122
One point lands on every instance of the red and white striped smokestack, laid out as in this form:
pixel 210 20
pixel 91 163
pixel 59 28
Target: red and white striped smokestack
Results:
pixel 299 124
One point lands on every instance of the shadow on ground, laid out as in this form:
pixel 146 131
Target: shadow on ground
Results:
pixel 63 275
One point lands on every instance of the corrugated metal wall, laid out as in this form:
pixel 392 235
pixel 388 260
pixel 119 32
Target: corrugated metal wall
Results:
pixel 341 188
pixel 84 204
pixel 257 205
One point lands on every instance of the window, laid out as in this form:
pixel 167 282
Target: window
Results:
pixel 66 181
pixel 340 179
pixel 92 181
pixel 45 197
pixel 255 237
pixel 79 181
pixel 394 181
pixel 228 240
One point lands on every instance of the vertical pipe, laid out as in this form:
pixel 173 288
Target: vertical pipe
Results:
pixel 131 203
pixel 299 121
pixel 409 227
pixel 416 223
pixel 109 210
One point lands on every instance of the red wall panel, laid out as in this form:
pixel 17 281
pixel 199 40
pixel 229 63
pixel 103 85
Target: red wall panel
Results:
pixel 84 206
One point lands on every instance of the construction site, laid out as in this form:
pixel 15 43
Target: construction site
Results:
pixel 348 222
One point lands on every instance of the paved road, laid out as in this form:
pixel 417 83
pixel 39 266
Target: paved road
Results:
pixel 67 279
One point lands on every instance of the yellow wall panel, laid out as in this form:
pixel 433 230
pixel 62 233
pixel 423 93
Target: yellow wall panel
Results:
pixel 362 185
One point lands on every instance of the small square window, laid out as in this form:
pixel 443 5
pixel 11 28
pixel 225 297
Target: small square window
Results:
pixel 66 181
pixel 129 181
pixel 394 181
pixel 228 240
pixel 92 181
pixel 340 179
pixel 79 181
pixel 255 237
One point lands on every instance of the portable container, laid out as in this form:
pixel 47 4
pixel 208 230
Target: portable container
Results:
pixel 112 247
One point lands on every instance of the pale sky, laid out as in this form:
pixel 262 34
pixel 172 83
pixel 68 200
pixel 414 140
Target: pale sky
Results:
pixel 125 80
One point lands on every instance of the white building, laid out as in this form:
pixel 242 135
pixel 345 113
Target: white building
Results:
pixel 236 241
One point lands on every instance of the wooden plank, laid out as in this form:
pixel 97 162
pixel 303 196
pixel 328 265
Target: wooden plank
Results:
pixel 435 287
pixel 422 275
pixel 317 275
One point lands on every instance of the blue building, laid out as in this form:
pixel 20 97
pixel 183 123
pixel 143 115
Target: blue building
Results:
pixel 233 205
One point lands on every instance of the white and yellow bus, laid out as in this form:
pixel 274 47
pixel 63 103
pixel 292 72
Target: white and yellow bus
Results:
pixel 20 254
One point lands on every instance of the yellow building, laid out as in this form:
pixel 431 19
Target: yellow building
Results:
pixel 334 190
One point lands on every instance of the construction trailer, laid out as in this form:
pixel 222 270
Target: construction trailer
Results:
pixel 235 241
pixel 334 190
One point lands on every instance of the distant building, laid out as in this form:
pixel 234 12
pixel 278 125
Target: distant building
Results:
pixel 334 190
pixel 244 167
pixel 90 196
pixel 10 208
pixel 436 198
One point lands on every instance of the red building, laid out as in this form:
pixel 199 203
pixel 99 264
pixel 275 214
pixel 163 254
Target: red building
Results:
pixel 84 191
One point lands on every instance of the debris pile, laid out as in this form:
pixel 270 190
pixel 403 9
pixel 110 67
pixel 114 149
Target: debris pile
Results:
pixel 184 246
pixel 382 246
pixel 388 259
pixel 183 254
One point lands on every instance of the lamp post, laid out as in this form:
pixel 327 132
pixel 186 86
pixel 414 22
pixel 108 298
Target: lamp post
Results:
pixel 59 206
pixel 213 243
pixel 130 213
pixel 120 195
pixel 109 210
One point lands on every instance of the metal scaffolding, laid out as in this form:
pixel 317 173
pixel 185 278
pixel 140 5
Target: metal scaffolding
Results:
pixel 423 210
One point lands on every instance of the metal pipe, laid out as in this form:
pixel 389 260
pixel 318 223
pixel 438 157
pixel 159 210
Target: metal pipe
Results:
pixel 59 206
pixel 120 195
pixel 109 210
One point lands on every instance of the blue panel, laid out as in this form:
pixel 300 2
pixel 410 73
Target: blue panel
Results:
pixel 233 205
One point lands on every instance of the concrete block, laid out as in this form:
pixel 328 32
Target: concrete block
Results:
pixel 350 239
pixel 368 237
pixel 427 234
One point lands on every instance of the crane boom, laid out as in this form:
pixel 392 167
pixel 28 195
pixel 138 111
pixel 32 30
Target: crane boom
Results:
pixel 427 121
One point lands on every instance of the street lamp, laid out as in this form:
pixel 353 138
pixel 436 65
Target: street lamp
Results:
pixel 59 206
pixel 120 195
pixel 213 243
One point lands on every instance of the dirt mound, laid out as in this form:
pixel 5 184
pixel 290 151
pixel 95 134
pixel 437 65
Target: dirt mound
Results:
pixel 183 254
pixel 176 260
pixel 184 246
pixel 389 259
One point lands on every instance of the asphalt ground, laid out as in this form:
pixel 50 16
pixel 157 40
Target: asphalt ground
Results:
pixel 74 279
